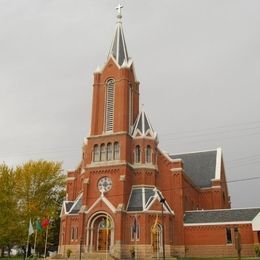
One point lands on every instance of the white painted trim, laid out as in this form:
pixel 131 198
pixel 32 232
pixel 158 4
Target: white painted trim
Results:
pixel 75 202
pixel 165 154
pixel 218 164
pixel 149 212
pixel 202 151
pixel 70 178
pixel 106 133
pixel 149 202
pixel 177 160
pixel 156 196
pixel 177 170
pixel 105 200
pixel 256 222
pixel 90 226
pixel 210 210
pixel 217 223
pixel 94 204
pixel 108 203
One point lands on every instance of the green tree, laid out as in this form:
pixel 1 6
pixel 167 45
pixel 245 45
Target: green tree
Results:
pixel 9 231
pixel 39 189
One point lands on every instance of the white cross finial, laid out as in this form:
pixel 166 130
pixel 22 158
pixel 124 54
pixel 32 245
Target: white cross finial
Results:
pixel 118 8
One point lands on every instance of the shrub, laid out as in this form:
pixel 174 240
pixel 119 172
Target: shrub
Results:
pixel 69 252
pixel 257 249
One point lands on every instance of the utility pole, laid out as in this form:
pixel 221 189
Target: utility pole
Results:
pixel 80 244
pixel 162 201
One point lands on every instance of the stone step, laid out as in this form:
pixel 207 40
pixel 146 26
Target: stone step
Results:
pixel 98 256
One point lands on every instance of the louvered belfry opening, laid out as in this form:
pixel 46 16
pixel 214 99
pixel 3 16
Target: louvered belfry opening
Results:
pixel 110 104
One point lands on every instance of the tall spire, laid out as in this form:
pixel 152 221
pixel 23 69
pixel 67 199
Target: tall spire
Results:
pixel 118 47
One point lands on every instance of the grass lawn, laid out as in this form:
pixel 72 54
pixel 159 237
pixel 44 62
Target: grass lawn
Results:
pixel 216 258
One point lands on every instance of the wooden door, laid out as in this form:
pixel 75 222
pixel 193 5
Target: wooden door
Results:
pixel 155 237
pixel 103 239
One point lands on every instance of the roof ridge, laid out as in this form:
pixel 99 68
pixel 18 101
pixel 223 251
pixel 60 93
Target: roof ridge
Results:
pixel 212 210
pixel 202 151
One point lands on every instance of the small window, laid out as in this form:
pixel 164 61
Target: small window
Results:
pixel 102 152
pixel 96 153
pixel 135 230
pixel 228 235
pixel 137 154
pixel 76 232
pixel 148 154
pixel 72 233
pixel 109 152
pixel 116 151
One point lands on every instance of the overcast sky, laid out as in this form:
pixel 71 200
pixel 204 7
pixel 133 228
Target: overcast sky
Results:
pixel 198 63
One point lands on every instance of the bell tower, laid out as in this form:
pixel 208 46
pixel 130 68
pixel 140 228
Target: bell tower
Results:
pixel 115 102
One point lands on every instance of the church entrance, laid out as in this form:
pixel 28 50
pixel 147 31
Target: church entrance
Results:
pixel 104 235
pixel 100 233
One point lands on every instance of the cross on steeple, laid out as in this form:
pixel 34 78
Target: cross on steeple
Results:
pixel 118 8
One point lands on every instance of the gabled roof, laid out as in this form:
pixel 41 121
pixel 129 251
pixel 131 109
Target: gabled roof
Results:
pixel 118 47
pixel 220 216
pixel 68 205
pixel 200 167
pixel 142 127
pixel 73 207
pixel 143 197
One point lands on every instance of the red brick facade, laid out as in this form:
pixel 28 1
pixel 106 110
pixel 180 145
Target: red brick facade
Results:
pixel 98 218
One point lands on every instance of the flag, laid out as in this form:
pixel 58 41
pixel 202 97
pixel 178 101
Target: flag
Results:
pixel 31 230
pixel 45 223
pixel 38 226
pixel 154 226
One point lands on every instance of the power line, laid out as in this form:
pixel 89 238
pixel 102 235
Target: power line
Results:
pixel 233 125
pixel 183 188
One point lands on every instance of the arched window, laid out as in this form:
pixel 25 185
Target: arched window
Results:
pixel 148 154
pixel 110 93
pixel 96 153
pixel 102 152
pixel 135 230
pixel 76 233
pixel 156 232
pixel 72 233
pixel 109 152
pixel 137 154
pixel 116 151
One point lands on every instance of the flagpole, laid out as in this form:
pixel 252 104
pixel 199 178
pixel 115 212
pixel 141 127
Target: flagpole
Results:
pixel 45 248
pixel 107 238
pixel 30 232
pixel 35 238
pixel 27 247
pixel 135 236
pixel 158 243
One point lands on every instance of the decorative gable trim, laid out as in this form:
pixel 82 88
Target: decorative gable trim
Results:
pixel 157 197
pixel 105 200
pixel 256 222
pixel 218 163
pixel 76 202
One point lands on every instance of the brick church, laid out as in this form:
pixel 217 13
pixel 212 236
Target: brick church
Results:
pixel 129 199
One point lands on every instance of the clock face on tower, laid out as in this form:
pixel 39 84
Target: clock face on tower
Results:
pixel 104 184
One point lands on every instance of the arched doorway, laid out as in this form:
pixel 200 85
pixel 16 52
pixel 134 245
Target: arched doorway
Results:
pixel 103 234
pixel 157 238
pixel 100 233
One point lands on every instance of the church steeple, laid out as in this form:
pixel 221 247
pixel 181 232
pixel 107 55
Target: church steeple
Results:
pixel 115 104
pixel 118 47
